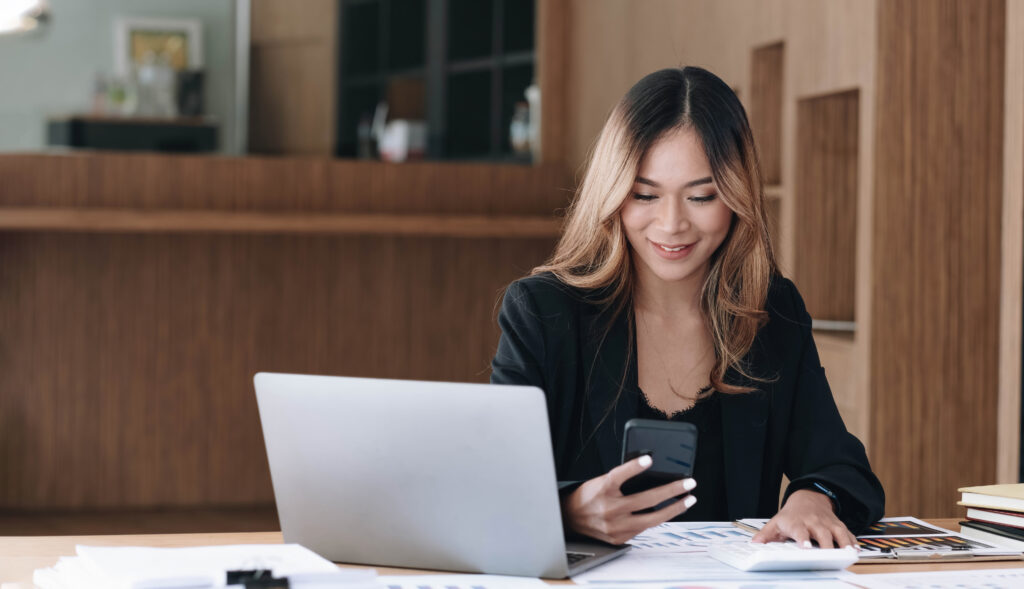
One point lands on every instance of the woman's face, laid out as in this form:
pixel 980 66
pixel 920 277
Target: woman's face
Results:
pixel 674 219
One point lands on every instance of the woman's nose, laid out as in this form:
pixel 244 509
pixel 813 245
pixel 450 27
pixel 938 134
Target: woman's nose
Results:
pixel 672 216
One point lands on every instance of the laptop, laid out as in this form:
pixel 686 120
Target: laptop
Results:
pixel 426 475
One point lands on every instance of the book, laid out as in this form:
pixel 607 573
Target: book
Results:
pixel 992 516
pixel 1001 497
pixel 993 534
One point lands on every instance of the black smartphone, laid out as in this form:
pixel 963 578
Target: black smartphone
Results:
pixel 672 445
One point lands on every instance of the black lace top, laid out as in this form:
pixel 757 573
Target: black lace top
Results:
pixel 708 466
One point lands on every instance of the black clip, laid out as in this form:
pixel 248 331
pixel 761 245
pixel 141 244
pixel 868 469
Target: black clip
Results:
pixel 256 579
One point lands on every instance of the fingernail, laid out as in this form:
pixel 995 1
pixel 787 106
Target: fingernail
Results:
pixel 807 544
pixel 645 460
pixel 689 501
pixel 689 484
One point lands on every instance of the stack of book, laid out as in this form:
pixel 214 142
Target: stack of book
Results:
pixel 995 514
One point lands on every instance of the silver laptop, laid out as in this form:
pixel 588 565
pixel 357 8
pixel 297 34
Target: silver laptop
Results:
pixel 427 475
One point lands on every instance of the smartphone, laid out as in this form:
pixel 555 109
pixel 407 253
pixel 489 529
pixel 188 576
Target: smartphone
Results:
pixel 671 444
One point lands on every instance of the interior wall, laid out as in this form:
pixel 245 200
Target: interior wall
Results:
pixel 52 71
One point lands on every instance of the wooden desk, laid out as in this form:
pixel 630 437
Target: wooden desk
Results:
pixel 19 556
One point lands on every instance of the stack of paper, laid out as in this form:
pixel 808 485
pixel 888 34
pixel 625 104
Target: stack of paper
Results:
pixel 206 566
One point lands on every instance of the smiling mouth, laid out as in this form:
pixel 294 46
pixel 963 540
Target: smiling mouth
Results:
pixel 673 248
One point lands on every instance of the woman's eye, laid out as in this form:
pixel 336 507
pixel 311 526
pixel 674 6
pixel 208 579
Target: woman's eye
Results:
pixel 645 197
pixel 703 199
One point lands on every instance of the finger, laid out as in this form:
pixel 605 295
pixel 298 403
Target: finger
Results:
pixel 840 534
pixel 767 533
pixel 823 536
pixel 628 470
pixel 800 535
pixel 649 520
pixel 659 495
pixel 851 540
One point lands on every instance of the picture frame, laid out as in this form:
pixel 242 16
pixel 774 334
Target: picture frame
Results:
pixel 181 39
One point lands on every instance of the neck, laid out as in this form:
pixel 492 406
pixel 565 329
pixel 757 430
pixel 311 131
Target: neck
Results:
pixel 679 299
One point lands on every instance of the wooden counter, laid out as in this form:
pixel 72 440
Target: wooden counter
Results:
pixel 141 292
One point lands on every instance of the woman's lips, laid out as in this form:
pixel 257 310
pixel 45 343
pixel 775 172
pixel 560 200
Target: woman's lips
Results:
pixel 672 251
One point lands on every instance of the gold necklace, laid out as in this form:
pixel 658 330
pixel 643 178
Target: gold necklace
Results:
pixel 664 366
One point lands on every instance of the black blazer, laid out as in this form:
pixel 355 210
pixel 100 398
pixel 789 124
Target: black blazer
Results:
pixel 560 339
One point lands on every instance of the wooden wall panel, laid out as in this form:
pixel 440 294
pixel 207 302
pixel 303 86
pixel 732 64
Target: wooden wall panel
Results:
pixel 292 99
pixel 293 77
pixel 825 197
pixel 150 181
pixel 553 18
pixel 938 192
pixel 127 360
pixel 1008 469
pixel 766 84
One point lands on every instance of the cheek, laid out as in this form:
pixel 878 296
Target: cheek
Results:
pixel 633 218
pixel 717 220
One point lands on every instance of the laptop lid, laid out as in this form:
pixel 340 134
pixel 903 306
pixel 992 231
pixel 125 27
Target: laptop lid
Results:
pixel 430 475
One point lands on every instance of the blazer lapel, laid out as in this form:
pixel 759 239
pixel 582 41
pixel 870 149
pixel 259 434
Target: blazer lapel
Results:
pixel 603 378
pixel 744 426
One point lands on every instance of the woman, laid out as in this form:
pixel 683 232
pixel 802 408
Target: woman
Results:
pixel 663 300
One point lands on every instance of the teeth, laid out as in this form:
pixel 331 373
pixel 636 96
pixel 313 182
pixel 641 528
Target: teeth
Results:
pixel 673 249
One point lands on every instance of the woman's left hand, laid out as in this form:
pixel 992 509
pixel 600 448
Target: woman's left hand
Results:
pixel 807 515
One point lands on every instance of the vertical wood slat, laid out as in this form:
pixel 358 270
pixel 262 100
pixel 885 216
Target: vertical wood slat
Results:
pixel 553 17
pixel 293 77
pixel 938 192
pixel 825 197
pixel 766 83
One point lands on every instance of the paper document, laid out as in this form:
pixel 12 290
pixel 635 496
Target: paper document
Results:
pixel 653 566
pixel 974 579
pixel 206 566
pixel 788 584
pixel 459 582
pixel 687 536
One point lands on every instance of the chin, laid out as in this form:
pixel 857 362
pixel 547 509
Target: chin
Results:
pixel 674 274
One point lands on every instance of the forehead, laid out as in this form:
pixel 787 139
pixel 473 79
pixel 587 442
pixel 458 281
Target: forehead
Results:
pixel 676 158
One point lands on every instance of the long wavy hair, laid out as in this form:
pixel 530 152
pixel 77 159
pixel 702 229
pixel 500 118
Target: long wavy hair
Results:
pixel 593 252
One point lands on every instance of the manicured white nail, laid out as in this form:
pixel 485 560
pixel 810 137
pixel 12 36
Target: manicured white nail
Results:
pixel 689 484
pixel 646 460
pixel 807 544
pixel 689 501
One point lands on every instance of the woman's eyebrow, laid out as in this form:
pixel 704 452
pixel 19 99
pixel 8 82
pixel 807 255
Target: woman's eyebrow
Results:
pixel 690 184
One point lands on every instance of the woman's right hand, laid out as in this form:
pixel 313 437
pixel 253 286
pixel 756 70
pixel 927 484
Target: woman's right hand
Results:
pixel 599 509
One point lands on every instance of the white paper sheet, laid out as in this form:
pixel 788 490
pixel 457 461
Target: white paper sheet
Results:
pixel 788 584
pixel 459 582
pixel 654 566
pixel 687 536
pixel 973 579
pixel 131 567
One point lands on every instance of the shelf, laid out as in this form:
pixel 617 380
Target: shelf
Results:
pixel 825 203
pixel 766 85
pixel 105 220
pixel 829 325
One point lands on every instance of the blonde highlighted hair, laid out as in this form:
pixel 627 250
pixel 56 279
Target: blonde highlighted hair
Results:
pixel 593 252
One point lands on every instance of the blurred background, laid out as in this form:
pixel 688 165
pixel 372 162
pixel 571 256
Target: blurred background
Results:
pixel 192 191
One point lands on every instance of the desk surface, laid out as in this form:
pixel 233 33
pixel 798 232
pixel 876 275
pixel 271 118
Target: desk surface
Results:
pixel 20 555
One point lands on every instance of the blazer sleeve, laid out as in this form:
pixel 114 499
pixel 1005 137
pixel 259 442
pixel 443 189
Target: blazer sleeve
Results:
pixel 820 449
pixel 520 356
